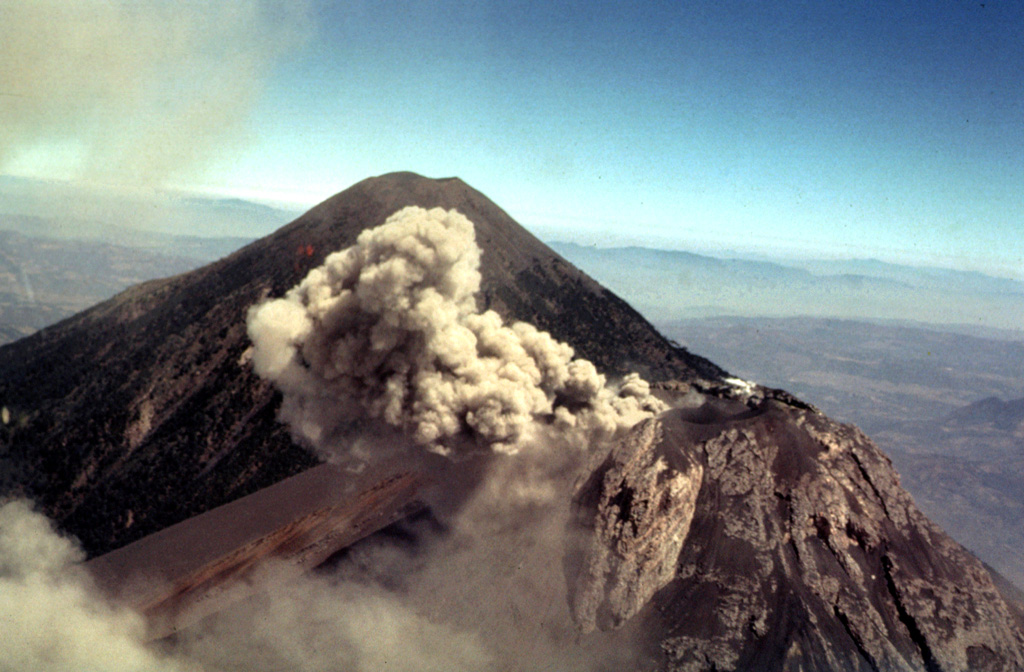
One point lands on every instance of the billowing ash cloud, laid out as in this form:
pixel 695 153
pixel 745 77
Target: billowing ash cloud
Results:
pixel 389 329
pixel 50 617
pixel 318 623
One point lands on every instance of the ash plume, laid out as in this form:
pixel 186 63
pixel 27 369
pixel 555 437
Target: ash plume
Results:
pixel 389 329
pixel 133 93
pixel 51 618
pixel 324 623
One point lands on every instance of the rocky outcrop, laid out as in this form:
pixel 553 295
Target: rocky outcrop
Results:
pixel 635 511
pixel 803 551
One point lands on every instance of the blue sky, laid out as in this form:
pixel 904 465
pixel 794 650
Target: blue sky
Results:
pixel 892 130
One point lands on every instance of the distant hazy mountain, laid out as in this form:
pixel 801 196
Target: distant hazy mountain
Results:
pixel 67 257
pixel 681 285
pixel 914 276
pixel 1003 415
pixel 43 280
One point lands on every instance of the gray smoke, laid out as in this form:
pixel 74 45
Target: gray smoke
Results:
pixel 51 617
pixel 133 93
pixel 322 623
pixel 487 595
pixel 389 329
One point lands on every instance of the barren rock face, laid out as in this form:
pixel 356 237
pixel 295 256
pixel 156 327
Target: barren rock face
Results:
pixel 802 551
pixel 636 510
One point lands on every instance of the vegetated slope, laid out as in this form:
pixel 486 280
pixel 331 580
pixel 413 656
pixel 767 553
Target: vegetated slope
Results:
pixel 144 411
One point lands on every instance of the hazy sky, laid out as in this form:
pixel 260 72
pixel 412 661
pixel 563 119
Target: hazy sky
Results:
pixel 890 129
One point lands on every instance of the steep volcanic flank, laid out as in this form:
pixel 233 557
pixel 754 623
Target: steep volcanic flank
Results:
pixel 790 545
pixel 142 411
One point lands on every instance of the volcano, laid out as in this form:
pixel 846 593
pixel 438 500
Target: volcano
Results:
pixel 740 529
pixel 142 412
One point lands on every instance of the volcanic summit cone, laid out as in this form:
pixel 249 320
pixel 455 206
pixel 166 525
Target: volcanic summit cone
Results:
pixel 143 411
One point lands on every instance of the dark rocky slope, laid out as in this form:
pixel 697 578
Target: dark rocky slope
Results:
pixel 791 545
pixel 142 411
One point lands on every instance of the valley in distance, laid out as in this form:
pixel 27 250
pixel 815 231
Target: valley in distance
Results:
pixel 554 508
pixel 928 362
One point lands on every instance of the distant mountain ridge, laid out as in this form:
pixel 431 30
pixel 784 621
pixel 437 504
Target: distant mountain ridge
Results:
pixel 915 276
pixel 43 280
pixel 666 283
pixel 683 285
pixel 58 209
pixel 1005 415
